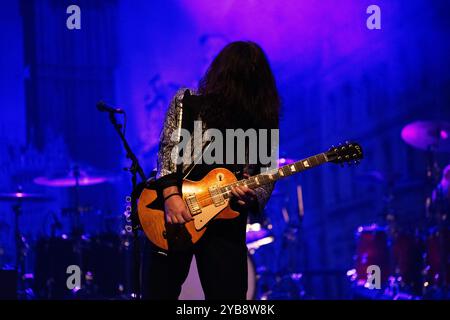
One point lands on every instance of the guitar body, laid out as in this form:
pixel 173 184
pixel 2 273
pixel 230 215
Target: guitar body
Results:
pixel 196 195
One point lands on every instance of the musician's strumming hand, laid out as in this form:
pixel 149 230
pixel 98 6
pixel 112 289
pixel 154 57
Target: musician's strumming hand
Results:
pixel 174 207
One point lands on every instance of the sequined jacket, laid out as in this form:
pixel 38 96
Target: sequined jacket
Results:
pixel 167 169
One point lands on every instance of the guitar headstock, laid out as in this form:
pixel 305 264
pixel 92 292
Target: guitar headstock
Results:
pixel 349 152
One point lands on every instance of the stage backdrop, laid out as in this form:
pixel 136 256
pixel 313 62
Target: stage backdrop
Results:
pixel 338 81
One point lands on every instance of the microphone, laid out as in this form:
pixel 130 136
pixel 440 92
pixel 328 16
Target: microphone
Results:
pixel 103 107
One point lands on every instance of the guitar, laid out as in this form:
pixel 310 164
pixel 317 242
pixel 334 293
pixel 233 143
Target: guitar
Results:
pixel 209 198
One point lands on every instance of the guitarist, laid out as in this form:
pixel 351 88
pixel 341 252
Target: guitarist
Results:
pixel 237 91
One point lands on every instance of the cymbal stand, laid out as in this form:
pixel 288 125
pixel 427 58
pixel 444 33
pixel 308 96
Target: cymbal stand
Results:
pixel 77 228
pixel 290 280
pixel 435 210
pixel 433 172
pixel 20 246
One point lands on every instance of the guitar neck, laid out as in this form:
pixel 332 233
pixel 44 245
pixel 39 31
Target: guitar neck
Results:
pixel 276 174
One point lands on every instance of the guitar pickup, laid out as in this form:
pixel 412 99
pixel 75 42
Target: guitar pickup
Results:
pixel 216 196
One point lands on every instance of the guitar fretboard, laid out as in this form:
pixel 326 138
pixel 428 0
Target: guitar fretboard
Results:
pixel 276 174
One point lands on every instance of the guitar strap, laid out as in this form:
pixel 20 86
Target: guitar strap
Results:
pixel 184 123
pixel 185 120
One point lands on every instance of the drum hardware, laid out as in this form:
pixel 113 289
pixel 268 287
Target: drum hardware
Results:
pixel 433 137
pixel 258 231
pixel 289 280
pixel 437 270
pixel 74 179
pixel 286 282
pixel 19 198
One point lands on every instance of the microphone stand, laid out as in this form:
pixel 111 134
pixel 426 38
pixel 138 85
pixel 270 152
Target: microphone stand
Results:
pixel 135 169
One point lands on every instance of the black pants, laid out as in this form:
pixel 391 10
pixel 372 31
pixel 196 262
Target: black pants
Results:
pixel 221 256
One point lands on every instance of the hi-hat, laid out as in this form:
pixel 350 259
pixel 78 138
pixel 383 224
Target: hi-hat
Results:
pixel 71 179
pixel 23 196
pixel 428 135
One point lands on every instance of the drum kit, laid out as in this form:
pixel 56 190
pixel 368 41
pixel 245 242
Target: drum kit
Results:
pixel 414 262
pixel 52 254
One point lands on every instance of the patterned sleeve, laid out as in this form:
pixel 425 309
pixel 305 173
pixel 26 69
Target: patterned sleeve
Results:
pixel 264 192
pixel 166 166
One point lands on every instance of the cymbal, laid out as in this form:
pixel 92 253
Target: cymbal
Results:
pixel 428 135
pixel 70 180
pixel 23 196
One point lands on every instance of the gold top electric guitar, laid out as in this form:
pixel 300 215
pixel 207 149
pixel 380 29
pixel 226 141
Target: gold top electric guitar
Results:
pixel 209 198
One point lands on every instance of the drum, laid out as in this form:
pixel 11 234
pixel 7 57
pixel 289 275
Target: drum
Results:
pixel 371 249
pixel 104 265
pixel 437 268
pixel 192 288
pixel 53 256
pixel 407 261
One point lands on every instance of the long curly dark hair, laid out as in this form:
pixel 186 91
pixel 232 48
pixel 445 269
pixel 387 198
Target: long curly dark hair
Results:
pixel 241 89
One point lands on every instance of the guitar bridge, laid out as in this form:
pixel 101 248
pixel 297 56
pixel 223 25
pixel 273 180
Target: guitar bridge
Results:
pixel 192 204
